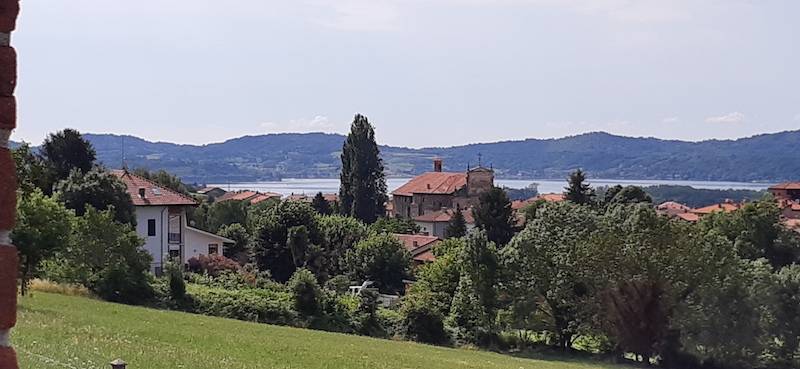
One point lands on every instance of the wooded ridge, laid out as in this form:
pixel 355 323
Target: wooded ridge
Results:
pixel 766 157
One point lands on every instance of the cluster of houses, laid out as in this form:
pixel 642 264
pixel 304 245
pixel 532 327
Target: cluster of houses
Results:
pixel 430 199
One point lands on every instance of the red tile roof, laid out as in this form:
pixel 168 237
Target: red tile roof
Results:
pixel 548 197
pixel 786 186
pixel 154 194
pixel 433 183
pixel 418 245
pixel 692 217
pixel 248 195
pixel 784 203
pixel 723 207
pixel 444 216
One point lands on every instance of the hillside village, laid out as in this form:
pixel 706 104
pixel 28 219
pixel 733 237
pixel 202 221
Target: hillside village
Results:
pixel 446 258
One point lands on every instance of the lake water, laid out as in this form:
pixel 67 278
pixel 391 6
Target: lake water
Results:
pixel 311 186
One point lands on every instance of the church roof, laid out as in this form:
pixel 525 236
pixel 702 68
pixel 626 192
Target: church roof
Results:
pixel 433 183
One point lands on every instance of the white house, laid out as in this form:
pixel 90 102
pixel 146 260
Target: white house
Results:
pixel 161 220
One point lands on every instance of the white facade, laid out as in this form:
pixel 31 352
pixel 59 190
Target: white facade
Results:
pixel 200 242
pixel 167 235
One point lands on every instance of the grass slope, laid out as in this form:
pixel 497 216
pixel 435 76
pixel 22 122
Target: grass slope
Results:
pixel 56 331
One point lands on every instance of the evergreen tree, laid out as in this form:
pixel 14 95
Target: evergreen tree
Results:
pixel 363 185
pixel 457 227
pixel 494 215
pixel 67 150
pixel 322 205
pixel 577 191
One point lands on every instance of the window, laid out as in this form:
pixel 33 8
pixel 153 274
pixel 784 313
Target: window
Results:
pixel 213 248
pixel 151 227
pixel 174 254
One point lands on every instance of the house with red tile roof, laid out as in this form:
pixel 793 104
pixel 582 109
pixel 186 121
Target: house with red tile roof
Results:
pixel 419 246
pixel 434 223
pixel 725 207
pixel 787 190
pixel 548 197
pixel 161 221
pixel 251 196
pixel 436 190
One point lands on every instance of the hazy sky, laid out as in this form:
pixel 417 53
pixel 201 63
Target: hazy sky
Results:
pixel 425 72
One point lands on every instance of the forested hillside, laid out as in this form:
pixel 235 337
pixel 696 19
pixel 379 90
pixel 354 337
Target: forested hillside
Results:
pixel 765 157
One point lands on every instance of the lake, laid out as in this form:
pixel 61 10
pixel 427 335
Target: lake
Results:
pixel 311 186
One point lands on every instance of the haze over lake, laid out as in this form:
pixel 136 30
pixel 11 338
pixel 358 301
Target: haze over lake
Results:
pixel 311 186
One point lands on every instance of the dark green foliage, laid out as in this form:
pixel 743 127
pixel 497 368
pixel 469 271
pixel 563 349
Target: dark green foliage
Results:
pixel 43 228
pixel 163 178
pixel 221 213
pixel 399 225
pixel 626 195
pixel 98 188
pixel 545 277
pixel 698 197
pixel 494 215
pixel 338 284
pixel 340 233
pixel 577 191
pixel 273 248
pixel 474 307
pixel 239 251
pixel 321 205
pixel 530 210
pixel 457 227
pixel 527 192
pixel 105 256
pixel 381 259
pixel 305 292
pixel 422 319
pixel 177 285
pixel 32 172
pixel 756 232
pixel 363 183
pixel 67 150
pixel 249 305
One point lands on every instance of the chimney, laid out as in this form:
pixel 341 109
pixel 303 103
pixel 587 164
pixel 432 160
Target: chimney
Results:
pixel 437 165
pixel 415 244
pixel 141 192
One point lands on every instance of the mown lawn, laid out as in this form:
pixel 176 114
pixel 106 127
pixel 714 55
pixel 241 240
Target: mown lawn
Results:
pixel 56 331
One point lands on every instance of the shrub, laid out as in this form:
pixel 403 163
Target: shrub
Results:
pixel 305 292
pixel 422 319
pixel 212 264
pixel 248 305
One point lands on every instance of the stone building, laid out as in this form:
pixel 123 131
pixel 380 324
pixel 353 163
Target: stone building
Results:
pixel 436 190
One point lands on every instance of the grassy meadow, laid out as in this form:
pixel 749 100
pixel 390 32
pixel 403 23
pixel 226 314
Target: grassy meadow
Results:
pixel 57 331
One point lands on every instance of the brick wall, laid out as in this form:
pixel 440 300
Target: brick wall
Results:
pixel 9 9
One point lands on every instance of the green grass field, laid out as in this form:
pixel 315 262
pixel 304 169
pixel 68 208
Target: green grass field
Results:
pixel 56 331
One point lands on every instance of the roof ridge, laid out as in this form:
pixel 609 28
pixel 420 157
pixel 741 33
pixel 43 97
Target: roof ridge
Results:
pixel 125 172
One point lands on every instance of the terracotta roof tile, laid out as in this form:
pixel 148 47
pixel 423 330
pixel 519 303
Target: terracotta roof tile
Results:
pixel 154 194
pixel 444 216
pixel 548 197
pixel 722 207
pixel 433 183
pixel 786 186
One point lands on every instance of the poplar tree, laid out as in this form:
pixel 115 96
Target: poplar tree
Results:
pixel 363 184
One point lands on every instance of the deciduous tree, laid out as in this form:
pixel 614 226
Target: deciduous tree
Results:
pixel 100 189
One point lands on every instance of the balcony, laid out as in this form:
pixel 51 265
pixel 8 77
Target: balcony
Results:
pixel 174 237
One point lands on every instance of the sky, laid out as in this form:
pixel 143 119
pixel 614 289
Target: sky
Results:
pixel 425 72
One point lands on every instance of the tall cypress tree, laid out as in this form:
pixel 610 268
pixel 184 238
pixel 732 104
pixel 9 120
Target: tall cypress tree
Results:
pixel 363 184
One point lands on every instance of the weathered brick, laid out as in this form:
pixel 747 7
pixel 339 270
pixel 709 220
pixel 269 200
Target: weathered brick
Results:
pixel 8 70
pixel 8 112
pixel 8 358
pixel 9 9
pixel 8 286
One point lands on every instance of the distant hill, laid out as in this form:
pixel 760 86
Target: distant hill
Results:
pixel 767 157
